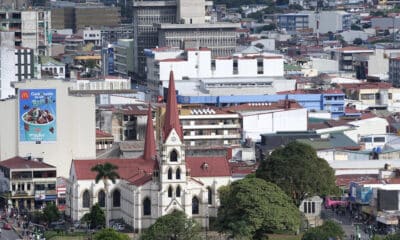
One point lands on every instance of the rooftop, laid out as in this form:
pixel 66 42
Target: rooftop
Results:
pixel 24 163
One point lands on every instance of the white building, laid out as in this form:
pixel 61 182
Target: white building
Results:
pixel 51 68
pixel 196 71
pixel 92 36
pixel 152 186
pixel 263 118
pixel 329 21
pixel 64 132
pixel 378 63
pixel 105 83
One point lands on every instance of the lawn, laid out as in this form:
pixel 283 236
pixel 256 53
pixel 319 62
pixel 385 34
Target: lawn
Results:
pixel 284 237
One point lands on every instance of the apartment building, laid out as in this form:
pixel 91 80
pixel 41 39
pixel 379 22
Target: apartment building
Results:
pixel 394 71
pixel 123 62
pixel 32 182
pixel 31 28
pixel 293 22
pixel 348 56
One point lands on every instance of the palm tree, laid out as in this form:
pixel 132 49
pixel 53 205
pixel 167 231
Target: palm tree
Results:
pixel 105 172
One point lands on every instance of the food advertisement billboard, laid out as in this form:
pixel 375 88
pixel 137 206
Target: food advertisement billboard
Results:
pixel 37 115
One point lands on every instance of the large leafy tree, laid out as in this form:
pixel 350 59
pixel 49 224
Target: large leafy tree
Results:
pixel 298 171
pixel 95 217
pixel 252 207
pixel 51 213
pixel 110 234
pixel 328 230
pixel 173 226
pixel 106 172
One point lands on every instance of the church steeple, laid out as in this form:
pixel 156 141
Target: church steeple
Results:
pixel 150 143
pixel 171 120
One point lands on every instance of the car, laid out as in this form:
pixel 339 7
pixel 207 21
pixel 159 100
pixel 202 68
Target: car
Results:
pixel 7 226
pixel 77 224
pixel 118 227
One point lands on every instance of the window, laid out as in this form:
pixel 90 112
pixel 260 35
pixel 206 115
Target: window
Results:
pixel 379 139
pixel 170 173
pixel 28 187
pixel 195 205
pixel 368 96
pixel 101 198
pixel 86 199
pixel 178 191
pixel 173 157
pixel 116 198
pixel 309 207
pixel 170 192
pixel 146 207
pixel 178 173
pixel 210 195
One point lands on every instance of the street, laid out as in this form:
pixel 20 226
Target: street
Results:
pixel 9 235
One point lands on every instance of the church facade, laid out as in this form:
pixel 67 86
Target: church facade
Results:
pixel 155 184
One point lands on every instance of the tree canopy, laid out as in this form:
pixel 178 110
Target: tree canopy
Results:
pixel 298 171
pixel 106 171
pixel 95 217
pixel 110 234
pixel 174 226
pixel 252 207
pixel 51 213
pixel 328 230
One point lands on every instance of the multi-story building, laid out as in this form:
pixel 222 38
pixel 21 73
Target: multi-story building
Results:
pixel 123 62
pixel 219 37
pixel 329 21
pixel 51 68
pixel 293 22
pixel 347 56
pixel 92 36
pixel 31 28
pixel 17 63
pixel 394 71
pixel 32 182
pixel 145 14
pixel 66 128
pixel 113 34
pixel 198 73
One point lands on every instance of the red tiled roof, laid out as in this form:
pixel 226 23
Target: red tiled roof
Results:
pixel 367 85
pixel 242 168
pixel 352 48
pixel 351 110
pixel 102 134
pixel 345 180
pixel 173 60
pixel 208 166
pixel 23 163
pixel 134 171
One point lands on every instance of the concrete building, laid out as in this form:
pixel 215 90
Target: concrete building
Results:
pixel 92 36
pixel 293 22
pixel 155 184
pixel 123 52
pixel 198 73
pixel 378 63
pixel 219 37
pixel 394 71
pixel 329 21
pixel 17 63
pixel 347 56
pixel 31 28
pixel 32 182
pixel 51 68
pixel 66 131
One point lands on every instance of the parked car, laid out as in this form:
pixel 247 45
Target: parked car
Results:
pixel 7 226
pixel 119 227
pixel 76 224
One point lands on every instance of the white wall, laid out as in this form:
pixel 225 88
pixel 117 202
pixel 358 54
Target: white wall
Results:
pixel 272 122
pixel 325 65
pixel 368 126
pixel 8 129
pixel 7 71
pixel 75 128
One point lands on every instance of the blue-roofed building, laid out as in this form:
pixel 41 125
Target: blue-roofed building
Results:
pixel 329 100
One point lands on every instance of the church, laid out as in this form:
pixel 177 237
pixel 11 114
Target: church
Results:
pixel 155 184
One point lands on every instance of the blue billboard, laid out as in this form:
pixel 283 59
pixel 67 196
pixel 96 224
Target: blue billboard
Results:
pixel 37 115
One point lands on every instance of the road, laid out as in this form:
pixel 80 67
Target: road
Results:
pixel 9 235
pixel 349 225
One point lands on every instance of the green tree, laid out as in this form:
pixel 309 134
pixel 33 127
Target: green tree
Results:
pixel 110 234
pixel 95 217
pixel 251 208
pixel 173 226
pixel 328 230
pixel 395 236
pixel 357 41
pixel 106 172
pixel 51 213
pixel 298 171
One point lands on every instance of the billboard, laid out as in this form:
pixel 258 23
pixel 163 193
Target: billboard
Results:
pixel 37 115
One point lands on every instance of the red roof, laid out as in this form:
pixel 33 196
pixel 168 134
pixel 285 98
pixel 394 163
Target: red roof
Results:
pixel 242 168
pixel 134 171
pixel 353 48
pixel 102 134
pixel 208 166
pixel 367 85
pixel 171 120
pixel 23 163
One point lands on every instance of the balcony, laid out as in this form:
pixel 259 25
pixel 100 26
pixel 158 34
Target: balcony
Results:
pixel 204 137
pixel 20 193
pixel 211 126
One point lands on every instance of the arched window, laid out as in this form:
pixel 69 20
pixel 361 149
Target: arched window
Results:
pixel 146 206
pixel 178 173
pixel 173 157
pixel 195 205
pixel 101 197
pixel 210 195
pixel 86 199
pixel 116 198
pixel 169 191
pixel 169 173
pixel 178 191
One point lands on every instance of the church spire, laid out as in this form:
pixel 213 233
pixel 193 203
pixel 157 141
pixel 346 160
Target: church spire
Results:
pixel 150 143
pixel 171 120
